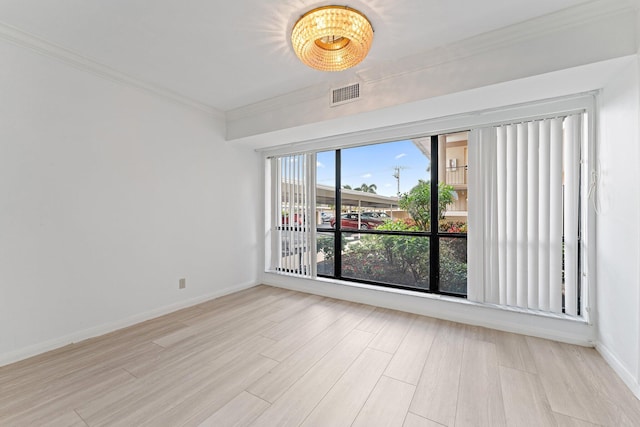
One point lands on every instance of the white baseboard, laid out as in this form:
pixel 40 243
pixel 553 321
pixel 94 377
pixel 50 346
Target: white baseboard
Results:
pixel 33 350
pixel 624 374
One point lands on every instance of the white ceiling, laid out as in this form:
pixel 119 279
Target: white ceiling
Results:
pixel 231 54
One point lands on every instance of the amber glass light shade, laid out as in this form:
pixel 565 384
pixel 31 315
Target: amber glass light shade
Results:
pixel 332 38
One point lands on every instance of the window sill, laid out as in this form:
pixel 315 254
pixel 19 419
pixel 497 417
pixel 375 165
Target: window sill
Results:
pixel 450 299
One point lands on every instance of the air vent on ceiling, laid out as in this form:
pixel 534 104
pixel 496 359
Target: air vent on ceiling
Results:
pixel 345 94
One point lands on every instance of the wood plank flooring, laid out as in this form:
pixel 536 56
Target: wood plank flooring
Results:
pixel 272 357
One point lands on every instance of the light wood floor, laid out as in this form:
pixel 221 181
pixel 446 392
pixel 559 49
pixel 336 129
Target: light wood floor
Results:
pixel 272 357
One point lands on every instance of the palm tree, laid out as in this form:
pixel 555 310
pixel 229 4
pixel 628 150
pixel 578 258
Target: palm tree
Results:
pixel 346 187
pixel 367 188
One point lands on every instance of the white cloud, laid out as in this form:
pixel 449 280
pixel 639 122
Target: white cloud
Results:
pixel 387 185
pixel 319 164
pixel 401 155
pixel 367 175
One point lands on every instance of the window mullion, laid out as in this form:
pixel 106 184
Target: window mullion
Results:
pixel 434 244
pixel 337 237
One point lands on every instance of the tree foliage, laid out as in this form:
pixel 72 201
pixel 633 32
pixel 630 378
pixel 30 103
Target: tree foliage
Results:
pixel 417 202
pixel 367 188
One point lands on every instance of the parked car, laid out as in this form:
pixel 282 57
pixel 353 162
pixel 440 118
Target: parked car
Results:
pixel 368 220
pixel 326 217
pixel 376 216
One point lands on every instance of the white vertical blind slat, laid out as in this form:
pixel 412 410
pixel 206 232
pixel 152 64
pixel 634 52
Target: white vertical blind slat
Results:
pixel 298 213
pixel 532 209
pixel 501 171
pixel 276 245
pixel 512 215
pixel 522 215
pixel 280 210
pixel 295 218
pixel 544 215
pixel 305 213
pixel 572 138
pixel 311 224
pixel 555 223
pixel 308 215
pixel 475 259
pixel 492 248
pixel 288 177
pixel 290 236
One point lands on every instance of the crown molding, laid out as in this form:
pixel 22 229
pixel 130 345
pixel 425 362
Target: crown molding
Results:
pixel 26 40
pixel 539 27
pixel 542 26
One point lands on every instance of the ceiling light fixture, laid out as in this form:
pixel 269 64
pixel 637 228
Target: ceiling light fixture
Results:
pixel 332 38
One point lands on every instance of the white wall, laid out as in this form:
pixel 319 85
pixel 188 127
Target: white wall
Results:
pixel 108 195
pixel 618 225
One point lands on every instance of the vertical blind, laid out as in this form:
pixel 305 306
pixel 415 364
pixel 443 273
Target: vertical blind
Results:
pixel 523 213
pixel 293 216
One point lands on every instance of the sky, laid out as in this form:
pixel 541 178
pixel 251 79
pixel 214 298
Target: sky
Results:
pixel 374 164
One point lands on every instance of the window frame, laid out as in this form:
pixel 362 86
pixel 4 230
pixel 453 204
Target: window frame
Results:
pixel 434 234
pixel 585 102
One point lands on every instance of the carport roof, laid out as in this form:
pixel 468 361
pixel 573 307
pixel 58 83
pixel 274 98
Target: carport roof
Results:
pixel 326 195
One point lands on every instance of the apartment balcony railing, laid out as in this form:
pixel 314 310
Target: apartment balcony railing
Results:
pixel 457 175
pixel 457 206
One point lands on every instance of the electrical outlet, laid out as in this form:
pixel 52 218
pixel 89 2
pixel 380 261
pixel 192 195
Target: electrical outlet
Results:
pixel 182 283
